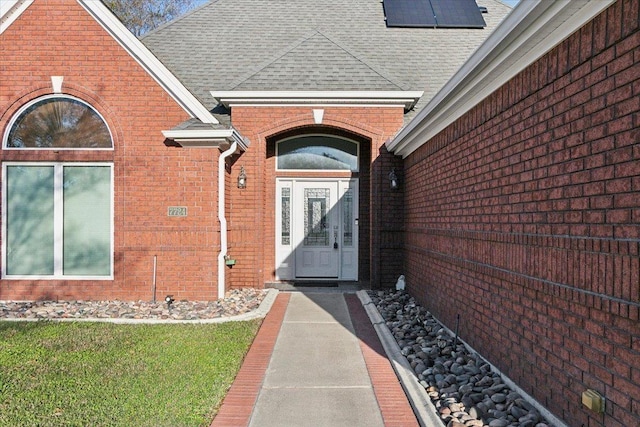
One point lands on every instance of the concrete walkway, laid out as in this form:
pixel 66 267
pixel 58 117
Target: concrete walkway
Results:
pixel 316 361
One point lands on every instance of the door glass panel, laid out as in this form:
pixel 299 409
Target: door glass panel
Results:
pixel 316 229
pixel 30 220
pixel 286 216
pixel 347 215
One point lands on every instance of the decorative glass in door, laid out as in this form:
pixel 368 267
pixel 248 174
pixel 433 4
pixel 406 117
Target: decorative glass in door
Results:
pixel 347 218
pixel 316 201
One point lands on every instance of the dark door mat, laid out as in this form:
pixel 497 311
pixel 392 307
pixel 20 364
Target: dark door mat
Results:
pixel 315 284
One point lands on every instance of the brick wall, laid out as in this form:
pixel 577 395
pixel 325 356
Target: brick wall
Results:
pixel 59 38
pixel 523 217
pixel 252 210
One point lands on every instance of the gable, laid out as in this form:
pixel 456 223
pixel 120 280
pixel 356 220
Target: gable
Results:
pixel 315 62
pixel 95 12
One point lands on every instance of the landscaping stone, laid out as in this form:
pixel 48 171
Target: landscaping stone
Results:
pixel 460 383
pixel 236 301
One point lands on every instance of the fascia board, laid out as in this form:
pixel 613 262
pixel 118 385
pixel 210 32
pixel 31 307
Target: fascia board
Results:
pixel 148 61
pixel 406 98
pixel 206 137
pixel 532 29
pixel 10 10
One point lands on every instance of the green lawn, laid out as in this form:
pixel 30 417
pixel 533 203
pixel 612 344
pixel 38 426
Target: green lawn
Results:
pixel 102 374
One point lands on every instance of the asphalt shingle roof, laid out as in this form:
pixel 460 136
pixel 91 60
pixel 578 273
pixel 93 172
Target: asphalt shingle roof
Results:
pixel 311 45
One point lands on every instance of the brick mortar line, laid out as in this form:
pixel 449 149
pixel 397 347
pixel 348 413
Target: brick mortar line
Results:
pixel 528 277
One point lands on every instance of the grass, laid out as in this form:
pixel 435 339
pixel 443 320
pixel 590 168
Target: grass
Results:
pixel 101 374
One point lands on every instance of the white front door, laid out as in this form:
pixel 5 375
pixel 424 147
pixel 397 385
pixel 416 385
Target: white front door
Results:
pixel 316 229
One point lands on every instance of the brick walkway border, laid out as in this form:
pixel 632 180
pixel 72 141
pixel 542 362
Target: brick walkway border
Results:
pixel 394 406
pixel 238 405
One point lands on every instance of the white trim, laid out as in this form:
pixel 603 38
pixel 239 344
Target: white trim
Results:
pixel 138 51
pixel 318 115
pixel 56 84
pixel 9 12
pixel 206 138
pixel 532 29
pixel 148 61
pixel 5 137
pixel 317 104
pixel 58 219
pixel 407 99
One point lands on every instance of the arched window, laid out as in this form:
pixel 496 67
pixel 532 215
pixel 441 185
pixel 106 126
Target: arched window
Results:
pixel 58 122
pixel 319 152
pixel 57 217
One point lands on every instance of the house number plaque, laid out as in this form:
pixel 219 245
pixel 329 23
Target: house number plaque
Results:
pixel 177 211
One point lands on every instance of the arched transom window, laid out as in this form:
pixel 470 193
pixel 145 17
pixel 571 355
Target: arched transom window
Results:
pixel 58 122
pixel 320 152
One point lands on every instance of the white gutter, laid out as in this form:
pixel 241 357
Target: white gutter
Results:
pixel 532 29
pixel 407 99
pixel 223 218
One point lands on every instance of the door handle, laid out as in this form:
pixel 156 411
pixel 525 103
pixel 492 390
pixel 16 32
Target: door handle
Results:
pixel 335 239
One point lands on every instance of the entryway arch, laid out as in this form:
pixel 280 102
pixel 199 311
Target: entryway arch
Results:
pixel 317 214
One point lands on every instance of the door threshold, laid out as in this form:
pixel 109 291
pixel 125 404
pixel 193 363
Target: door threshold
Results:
pixel 314 284
pixel 329 286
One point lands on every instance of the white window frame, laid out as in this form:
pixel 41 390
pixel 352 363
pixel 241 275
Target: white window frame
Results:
pixel 12 122
pixel 58 221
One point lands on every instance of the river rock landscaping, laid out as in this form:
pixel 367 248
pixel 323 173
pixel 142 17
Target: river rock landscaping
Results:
pixel 236 301
pixel 460 383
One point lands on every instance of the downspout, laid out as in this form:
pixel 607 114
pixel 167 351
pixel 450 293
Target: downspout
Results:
pixel 222 218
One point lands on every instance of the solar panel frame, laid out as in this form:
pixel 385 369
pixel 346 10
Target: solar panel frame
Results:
pixel 457 14
pixel 433 14
pixel 409 13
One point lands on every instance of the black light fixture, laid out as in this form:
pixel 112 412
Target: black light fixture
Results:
pixel 242 178
pixel 169 300
pixel 393 179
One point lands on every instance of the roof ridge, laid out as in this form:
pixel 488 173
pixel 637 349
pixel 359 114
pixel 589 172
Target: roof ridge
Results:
pixel 264 64
pixel 309 35
pixel 401 86
pixel 177 19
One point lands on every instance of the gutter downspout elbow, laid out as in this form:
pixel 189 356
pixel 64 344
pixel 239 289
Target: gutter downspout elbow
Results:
pixel 222 218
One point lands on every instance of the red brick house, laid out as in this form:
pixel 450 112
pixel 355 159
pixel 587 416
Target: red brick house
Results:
pixel 342 142
pixel 303 115
pixel 522 205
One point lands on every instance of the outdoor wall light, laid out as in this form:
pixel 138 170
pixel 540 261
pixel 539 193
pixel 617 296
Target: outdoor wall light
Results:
pixel 169 300
pixel 393 179
pixel 242 178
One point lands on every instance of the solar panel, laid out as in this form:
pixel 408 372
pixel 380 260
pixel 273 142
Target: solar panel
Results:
pixel 409 13
pixel 457 14
pixel 433 13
